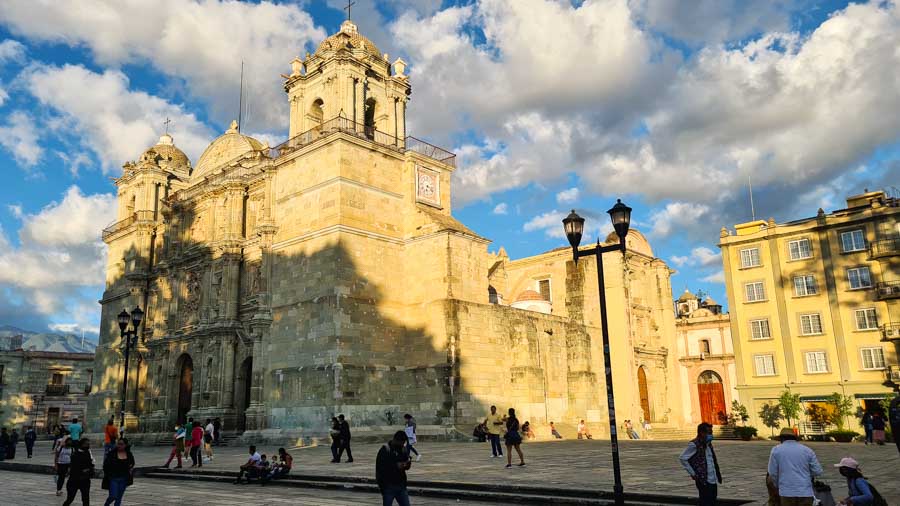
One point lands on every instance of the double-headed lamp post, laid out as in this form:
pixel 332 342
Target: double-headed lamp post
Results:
pixel 574 227
pixel 129 340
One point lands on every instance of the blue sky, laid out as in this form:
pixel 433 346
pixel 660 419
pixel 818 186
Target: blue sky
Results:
pixel 551 105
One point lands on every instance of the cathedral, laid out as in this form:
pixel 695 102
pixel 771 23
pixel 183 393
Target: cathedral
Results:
pixel 283 285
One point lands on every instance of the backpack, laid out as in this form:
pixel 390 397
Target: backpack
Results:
pixel 878 498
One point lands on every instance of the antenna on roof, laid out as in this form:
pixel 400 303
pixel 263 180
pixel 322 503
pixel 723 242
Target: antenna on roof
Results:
pixel 241 98
pixel 752 209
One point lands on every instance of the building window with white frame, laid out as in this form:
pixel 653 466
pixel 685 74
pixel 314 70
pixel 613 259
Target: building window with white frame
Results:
pixel 764 365
pixel 750 258
pixel 853 240
pixel 800 249
pixel 866 319
pixel 872 358
pixel 759 329
pixel 810 324
pixel 543 286
pixel 805 285
pixel 859 277
pixel 816 362
pixel 754 292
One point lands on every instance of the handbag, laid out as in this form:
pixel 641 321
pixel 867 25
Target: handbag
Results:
pixel 105 483
pixel 822 492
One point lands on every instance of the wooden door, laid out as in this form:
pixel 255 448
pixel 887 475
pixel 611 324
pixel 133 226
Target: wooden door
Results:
pixel 185 388
pixel 712 398
pixel 644 393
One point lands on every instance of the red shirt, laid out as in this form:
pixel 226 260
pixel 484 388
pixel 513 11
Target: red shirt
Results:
pixel 197 436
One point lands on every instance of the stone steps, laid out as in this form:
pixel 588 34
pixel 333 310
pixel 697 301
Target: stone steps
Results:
pixel 675 434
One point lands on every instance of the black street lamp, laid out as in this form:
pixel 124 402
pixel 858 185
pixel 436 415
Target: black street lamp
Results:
pixel 574 227
pixel 129 340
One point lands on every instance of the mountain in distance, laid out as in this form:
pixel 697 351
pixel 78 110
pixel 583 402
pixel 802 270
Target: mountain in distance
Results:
pixel 44 341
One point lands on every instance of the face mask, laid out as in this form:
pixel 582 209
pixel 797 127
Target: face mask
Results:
pixel 709 438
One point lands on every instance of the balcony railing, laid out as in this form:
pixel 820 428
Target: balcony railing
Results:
pixel 119 225
pixel 348 126
pixel 885 247
pixel 890 331
pixel 57 389
pixel 887 290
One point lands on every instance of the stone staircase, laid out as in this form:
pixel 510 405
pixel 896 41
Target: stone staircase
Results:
pixel 676 434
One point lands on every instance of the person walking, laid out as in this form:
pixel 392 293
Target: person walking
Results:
pixel 699 460
pixel 75 429
pixel 878 427
pixel 208 439
pixel 118 472
pixel 196 442
pixel 62 458
pixel 513 438
pixel 4 443
pixel 867 426
pixel 391 465
pixel 792 467
pixel 80 472
pixel 110 436
pixel 13 442
pixel 335 433
pixel 345 439
pixel 30 437
pixel 177 446
pixel 217 430
pixel 493 424
pixel 410 431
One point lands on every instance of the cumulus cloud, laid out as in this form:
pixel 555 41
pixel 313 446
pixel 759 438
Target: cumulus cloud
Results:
pixel 199 42
pixel 59 262
pixel 551 224
pixel 568 196
pixel 700 256
pixel 501 208
pixel 113 121
pixel 11 50
pixel 19 136
pixel 716 277
pixel 675 215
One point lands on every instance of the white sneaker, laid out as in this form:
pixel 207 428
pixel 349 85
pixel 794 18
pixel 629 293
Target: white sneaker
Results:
pixel 418 457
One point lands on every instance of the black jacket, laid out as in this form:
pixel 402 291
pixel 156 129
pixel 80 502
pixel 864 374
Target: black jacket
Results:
pixel 82 466
pixel 345 430
pixel 387 474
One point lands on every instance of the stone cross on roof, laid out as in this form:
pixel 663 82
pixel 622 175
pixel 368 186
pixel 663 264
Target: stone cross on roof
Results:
pixel 347 8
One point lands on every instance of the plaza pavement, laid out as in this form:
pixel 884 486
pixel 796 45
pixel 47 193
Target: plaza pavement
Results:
pixel 647 466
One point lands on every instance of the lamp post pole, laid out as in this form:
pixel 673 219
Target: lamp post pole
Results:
pixel 574 227
pixel 129 338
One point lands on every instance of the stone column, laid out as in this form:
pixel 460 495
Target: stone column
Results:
pixel 227 372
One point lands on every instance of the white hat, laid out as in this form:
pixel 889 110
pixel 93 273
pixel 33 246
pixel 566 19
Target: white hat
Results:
pixel 848 462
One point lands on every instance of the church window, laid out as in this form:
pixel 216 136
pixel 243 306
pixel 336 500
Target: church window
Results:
pixel 704 346
pixel 369 115
pixel 492 295
pixel 317 112
pixel 544 289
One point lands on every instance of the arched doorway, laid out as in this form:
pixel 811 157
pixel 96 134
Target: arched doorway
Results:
pixel 644 392
pixel 712 398
pixel 243 383
pixel 369 118
pixel 317 113
pixel 185 386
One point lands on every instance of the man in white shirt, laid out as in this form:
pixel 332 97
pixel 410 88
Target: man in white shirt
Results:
pixel 699 460
pixel 792 467
pixel 250 467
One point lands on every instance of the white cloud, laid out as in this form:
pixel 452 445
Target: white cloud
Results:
pixel 676 215
pixel 501 208
pixel 714 21
pixel 59 255
pixel 551 224
pixel 700 256
pixel 201 42
pixel 568 196
pixel 3 95
pixel 716 277
pixel 113 121
pixel 11 50
pixel 19 135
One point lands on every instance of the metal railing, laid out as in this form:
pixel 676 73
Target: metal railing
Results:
pixel 887 290
pixel 57 389
pixel 890 331
pixel 430 150
pixel 885 247
pixel 119 225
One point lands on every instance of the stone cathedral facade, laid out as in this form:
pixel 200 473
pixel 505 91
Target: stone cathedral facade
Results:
pixel 327 275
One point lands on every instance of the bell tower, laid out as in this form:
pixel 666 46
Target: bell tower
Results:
pixel 348 77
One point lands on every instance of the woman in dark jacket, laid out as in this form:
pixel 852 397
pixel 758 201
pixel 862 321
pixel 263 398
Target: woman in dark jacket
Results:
pixel 335 433
pixel 80 471
pixel 118 469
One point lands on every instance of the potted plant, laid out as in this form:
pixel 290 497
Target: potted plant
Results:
pixel 746 433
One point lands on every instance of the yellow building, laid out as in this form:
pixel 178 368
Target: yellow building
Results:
pixel 814 303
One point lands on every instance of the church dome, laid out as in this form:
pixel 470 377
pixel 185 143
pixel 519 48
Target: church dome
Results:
pixel 349 34
pixel 686 296
pixel 634 241
pixel 527 295
pixel 165 152
pixel 228 146
pixel 710 302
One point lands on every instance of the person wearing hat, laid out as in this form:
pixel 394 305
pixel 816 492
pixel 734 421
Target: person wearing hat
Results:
pixel 792 467
pixel 860 493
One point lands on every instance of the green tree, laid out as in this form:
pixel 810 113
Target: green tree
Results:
pixel 790 406
pixel 770 414
pixel 818 414
pixel 738 414
pixel 843 407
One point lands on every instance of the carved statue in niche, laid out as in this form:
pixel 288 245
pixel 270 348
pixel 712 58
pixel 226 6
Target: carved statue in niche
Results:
pixel 197 231
pixel 192 297
pixel 254 275
pixel 217 295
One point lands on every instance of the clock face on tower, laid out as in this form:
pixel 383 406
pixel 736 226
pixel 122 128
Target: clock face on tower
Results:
pixel 428 186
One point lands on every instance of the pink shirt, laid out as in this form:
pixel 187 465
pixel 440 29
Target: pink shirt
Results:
pixel 196 436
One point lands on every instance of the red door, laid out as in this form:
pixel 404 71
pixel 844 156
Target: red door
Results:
pixel 712 398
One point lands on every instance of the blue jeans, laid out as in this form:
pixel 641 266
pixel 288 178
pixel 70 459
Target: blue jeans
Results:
pixel 388 494
pixel 116 491
pixel 495 444
pixel 868 433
